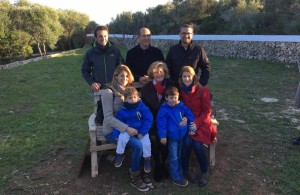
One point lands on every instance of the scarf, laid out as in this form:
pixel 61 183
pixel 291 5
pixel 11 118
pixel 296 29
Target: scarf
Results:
pixel 159 87
pixel 131 106
pixel 186 89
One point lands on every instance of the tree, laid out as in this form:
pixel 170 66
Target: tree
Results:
pixel 74 24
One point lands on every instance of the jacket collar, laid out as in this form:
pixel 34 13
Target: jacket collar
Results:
pixel 191 46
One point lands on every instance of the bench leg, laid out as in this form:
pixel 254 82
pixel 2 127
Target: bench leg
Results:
pixel 94 159
pixel 212 156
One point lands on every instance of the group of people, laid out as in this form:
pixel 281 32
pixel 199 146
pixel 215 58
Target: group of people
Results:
pixel 163 120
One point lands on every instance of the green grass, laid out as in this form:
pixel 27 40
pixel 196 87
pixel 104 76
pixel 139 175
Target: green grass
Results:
pixel 46 104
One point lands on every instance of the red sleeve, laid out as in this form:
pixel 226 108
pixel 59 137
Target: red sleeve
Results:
pixel 204 117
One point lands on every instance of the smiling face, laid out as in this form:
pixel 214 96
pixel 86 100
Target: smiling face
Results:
pixel 186 35
pixel 102 37
pixel 187 78
pixel 158 74
pixel 144 38
pixel 122 78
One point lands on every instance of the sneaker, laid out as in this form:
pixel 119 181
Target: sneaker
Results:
pixel 181 183
pixel 147 165
pixel 137 182
pixel 146 179
pixel 119 159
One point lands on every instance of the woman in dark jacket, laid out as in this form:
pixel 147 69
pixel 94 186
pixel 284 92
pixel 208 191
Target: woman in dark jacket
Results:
pixel 153 96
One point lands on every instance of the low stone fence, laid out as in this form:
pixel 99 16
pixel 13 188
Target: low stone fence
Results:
pixel 288 52
pixel 279 50
pixel 20 63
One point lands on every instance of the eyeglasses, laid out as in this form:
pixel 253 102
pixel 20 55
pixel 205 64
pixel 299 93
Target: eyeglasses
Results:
pixel 186 33
pixel 144 36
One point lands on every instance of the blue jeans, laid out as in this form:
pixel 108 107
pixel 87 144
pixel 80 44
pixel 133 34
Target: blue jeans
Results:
pixel 187 145
pixel 136 147
pixel 174 147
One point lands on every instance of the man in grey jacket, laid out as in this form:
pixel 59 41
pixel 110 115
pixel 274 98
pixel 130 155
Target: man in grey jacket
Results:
pixel 101 60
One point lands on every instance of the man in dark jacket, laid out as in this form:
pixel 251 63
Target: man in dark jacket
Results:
pixel 187 53
pixel 140 57
pixel 101 60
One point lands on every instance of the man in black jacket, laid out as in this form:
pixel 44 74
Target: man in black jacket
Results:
pixel 101 60
pixel 187 53
pixel 140 57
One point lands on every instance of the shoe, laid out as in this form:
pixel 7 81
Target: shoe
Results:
pixel 137 182
pixel 119 159
pixel 297 141
pixel 203 179
pixel 181 183
pixel 147 165
pixel 146 179
pixel 190 176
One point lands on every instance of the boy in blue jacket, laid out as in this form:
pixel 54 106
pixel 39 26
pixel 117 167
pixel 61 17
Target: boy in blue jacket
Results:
pixel 138 116
pixel 173 121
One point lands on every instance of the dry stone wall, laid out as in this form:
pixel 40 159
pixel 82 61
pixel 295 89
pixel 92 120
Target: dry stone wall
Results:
pixel 288 52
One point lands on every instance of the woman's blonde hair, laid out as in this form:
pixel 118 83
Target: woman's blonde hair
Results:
pixel 158 64
pixel 190 70
pixel 118 70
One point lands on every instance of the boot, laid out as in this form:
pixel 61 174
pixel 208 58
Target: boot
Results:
pixel 203 180
pixel 189 175
pixel 137 182
pixel 147 180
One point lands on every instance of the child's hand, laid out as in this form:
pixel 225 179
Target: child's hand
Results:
pixel 183 122
pixel 163 141
pixel 140 136
pixel 192 132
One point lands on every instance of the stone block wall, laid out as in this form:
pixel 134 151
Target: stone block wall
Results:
pixel 288 52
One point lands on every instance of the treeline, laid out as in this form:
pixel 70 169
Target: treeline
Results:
pixel 270 17
pixel 27 29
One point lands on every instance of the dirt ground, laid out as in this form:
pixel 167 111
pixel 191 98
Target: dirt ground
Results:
pixel 56 174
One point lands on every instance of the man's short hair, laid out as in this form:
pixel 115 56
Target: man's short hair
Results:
pixel 171 91
pixel 186 26
pixel 100 28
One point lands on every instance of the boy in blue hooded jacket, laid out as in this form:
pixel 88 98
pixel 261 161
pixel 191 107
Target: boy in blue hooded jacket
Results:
pixel 138 116
pixel 173 122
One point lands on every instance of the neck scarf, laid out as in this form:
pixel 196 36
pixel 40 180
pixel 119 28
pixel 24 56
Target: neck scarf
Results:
pixel 186 89
pixel 159 87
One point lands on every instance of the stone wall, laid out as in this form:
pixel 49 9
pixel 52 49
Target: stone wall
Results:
pixel 24 62
pixel 287 52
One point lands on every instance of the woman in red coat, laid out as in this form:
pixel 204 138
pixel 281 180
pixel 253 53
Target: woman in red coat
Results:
pixel 197 98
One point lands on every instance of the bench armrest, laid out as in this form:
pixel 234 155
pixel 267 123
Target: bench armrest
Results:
pixel 92 124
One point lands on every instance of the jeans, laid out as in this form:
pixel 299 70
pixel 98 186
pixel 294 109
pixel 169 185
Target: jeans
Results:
pixel 136 147
pixel 174 147
pixel 187 145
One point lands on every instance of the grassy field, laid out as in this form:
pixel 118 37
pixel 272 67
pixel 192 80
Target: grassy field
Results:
pixel 45 105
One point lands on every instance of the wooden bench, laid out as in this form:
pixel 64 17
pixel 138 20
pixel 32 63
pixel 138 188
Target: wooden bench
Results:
pixel 98 143
pixel 212 147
